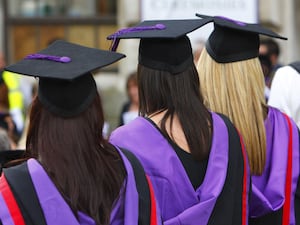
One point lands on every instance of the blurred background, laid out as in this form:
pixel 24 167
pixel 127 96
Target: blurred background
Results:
pixel 27 26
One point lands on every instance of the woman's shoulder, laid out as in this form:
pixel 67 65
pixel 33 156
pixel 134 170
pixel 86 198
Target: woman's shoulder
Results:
pixel 222 118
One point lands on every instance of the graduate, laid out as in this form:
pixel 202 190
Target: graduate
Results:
pixel 194 157
pixel 71 174
pixel 284 92
pixel 232 83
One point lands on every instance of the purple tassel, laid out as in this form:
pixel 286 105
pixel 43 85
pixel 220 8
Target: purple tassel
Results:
pixel 62 59
pixel 231 20
pixel 115 39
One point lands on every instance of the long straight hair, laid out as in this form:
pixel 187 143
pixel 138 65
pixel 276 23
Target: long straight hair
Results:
pixel 237 90
pixel 177 95
pixel 85 168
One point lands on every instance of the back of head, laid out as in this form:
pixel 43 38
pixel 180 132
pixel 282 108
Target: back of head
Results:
pixel 65 130
pixel 168 80
pixel 178 95
pixel 270 48
pixel 66 89
pixel 166 73
pixel 160 90
pixel 237 90
pixel 66 85
pixel 271 45
pixel 232 82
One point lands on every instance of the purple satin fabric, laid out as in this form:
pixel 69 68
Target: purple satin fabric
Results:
pixel 56 210
pixel 129 199
pixel 239 23
pixel 128 202
pixel 268 190
pixel 178 201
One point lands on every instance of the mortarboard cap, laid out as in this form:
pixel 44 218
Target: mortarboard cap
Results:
pixel 232 40
pixel 66 85
pixel 164 44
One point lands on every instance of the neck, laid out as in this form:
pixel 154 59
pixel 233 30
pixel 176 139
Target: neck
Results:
pixel 173 128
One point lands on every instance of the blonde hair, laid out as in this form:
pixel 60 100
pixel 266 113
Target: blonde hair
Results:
pixel 237 90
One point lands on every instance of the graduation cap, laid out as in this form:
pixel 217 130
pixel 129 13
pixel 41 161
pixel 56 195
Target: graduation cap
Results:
pixel 233 40
pixel 66 85
pixel 164 44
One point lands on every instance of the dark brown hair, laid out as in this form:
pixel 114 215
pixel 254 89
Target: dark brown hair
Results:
pixel 85 168
pixel 177 94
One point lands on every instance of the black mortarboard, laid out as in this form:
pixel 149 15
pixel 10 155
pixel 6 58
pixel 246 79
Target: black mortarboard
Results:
pixel 164 44
pixel 66 85
pixel 233 40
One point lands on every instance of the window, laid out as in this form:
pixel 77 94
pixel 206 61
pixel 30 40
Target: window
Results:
pixel 31 25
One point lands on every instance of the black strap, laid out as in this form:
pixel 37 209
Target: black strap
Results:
pixel 7 156
pixel 20 182
pixel 224 213
pixel 23 189
pixel 296 66
pixel 142 188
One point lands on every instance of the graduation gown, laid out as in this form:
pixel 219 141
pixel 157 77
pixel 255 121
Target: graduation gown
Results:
pixel 39 202
pixel 222 197
pixel 275 197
